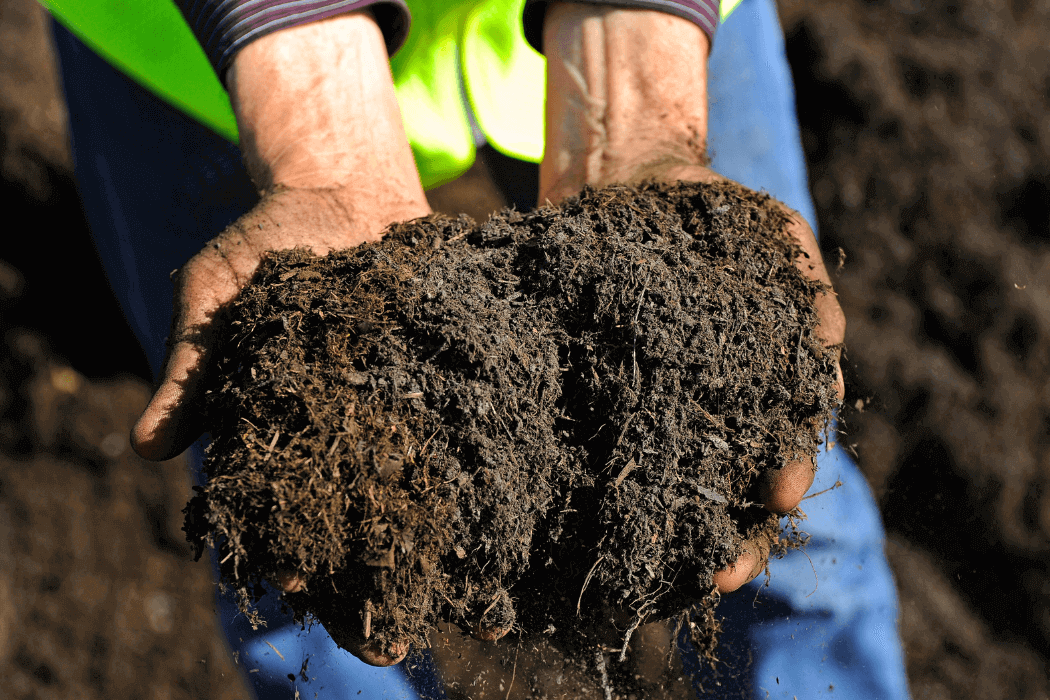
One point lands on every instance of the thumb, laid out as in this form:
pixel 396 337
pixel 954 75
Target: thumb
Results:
pixel 173 420
pixel 170 422
pixel 754 554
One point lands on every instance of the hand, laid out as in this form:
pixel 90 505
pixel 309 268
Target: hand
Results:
pixel 285 218
pixel 322 137
pixel 622 107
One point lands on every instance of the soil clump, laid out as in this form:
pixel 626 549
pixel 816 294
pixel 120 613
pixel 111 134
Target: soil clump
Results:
pixel 536 423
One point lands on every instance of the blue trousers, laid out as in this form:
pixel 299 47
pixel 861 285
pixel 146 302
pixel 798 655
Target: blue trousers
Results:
pixel 156 185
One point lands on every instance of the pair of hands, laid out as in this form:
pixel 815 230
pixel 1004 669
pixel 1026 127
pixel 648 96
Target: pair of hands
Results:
pixel 322 137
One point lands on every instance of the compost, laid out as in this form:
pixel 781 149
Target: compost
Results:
pixel 544 423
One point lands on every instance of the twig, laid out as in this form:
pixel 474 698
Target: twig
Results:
pixel 624 472
pixel 816 579
pixel 600 658
pixel 634 329
pixel 513 671
pixel 707 415
pixel 627 637
pixel 273 443
pixel 626 425
pixel 491 605
pixel 830 488
pixel 587 581
pixel 457 236
pixel 335 444
pixel 275 650
pixel 507 430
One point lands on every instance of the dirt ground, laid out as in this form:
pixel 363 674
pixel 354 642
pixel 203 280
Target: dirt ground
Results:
pixel 929 149
pixel 99 596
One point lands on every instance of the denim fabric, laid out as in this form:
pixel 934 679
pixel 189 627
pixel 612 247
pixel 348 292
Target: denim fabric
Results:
pixel 156 185
pixel 825 625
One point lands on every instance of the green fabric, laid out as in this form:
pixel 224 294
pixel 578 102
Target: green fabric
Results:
pixel 726 7
pixel 426 78
pixel 150 41
pixel 505 79
pixel 457 51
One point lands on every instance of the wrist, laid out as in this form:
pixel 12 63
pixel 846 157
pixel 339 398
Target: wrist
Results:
pixel 626 96
pixel 317 112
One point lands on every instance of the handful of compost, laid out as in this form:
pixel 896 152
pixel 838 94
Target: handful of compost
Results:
pixel 522 424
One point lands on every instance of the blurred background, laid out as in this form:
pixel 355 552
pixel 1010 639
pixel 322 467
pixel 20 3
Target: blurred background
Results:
pixel 926 128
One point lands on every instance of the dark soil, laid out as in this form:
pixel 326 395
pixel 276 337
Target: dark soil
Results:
pixel 526 424
pixel 99 594
pixel 927 133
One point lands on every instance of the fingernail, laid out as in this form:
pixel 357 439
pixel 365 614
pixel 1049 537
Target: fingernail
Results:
pixel 372 654
pixel 489 634
pixel 290 582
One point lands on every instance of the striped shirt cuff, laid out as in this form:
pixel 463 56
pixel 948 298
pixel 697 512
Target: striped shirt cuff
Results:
pixel 703 13
pixel 224 27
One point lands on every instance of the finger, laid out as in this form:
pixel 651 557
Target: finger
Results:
pixel 831 321
pixel 289 581
pixel 355 633
pixel 374 654
pixel 782 490
pixel 750 563
pixel 488 634
pixel 171 421
pixel 167 427
pixel 811 262
pixel 831 330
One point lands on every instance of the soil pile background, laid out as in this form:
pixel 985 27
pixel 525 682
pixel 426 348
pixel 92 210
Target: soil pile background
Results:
pixel 99 594
pixel 927 140
pixel 929 147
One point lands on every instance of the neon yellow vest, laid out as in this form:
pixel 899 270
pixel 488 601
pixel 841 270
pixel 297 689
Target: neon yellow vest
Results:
pixel 502 76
